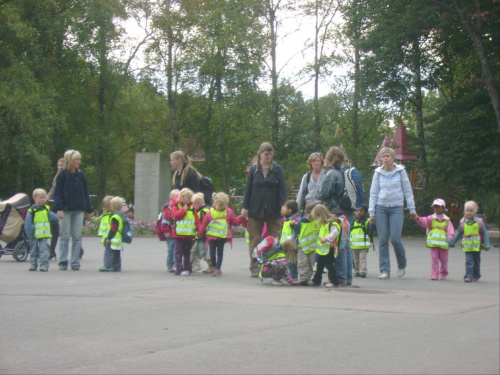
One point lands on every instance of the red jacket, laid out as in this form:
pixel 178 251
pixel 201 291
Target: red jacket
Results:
pixel 179 213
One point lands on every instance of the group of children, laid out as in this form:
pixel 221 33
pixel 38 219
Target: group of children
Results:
pixel 316 238
pixel 319 236
pixel 189 225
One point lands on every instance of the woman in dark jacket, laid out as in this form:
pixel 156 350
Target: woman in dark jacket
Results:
pixel 265 193
pixel 185 176
pixel 72 204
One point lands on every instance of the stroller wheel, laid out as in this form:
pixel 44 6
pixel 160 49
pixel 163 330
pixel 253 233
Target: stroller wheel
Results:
pixel 21 251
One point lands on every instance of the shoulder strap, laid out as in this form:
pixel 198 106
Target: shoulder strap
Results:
pixel 348 173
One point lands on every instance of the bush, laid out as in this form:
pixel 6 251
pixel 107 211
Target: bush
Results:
pixel 140 228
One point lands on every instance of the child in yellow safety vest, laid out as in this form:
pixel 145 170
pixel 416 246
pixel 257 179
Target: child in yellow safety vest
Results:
pixel 113 244
pixel 37 228
pixel 329 229
pixel 306 234
pixel 199 252
pixel 186 223
pixel 105 222
pixel 439 230
pixel 475 237
pixel 272 257
pixel 216 226
pixel 360 239
pixel 290 216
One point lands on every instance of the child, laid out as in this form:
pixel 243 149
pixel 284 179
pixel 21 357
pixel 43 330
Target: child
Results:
pixel 361 240
pixel 198 252
pixel 475 236
pixel 186 223
pixel 105 222
pixel 217 225
pixel 166 227
pixel 439 231
pixel 289 212
pixel 37 228
pixel 329 230
pixel 306 234
pixel 113 244
pixel 273 257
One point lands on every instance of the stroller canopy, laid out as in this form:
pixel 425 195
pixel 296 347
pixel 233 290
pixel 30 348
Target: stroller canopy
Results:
pixel 11 221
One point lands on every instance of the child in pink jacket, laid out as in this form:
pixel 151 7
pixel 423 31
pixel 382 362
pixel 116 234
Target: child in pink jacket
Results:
pixel 439 230
pixel 217 227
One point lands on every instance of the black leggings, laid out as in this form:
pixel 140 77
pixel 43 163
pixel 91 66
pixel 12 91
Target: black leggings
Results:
pixel 327 261
pixel 217 247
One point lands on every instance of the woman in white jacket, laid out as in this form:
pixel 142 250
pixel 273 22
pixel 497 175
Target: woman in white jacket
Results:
pixel 390 188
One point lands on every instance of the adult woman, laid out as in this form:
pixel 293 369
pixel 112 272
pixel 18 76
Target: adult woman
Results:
pixel 72 204
pixel 311 181
pixel 185 176
pixel 390 187
pixel 54 226
pixel 265 193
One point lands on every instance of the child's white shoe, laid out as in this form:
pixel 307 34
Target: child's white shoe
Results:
pixel 277 282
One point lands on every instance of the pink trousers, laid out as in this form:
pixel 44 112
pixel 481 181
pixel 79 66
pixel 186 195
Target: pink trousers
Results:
pixel 439 256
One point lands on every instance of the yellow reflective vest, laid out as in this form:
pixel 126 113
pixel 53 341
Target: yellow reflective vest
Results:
pixel 286 231
pixel 437 235
pixel 218 226
pixel 104 225
pixel 116 241
pixel 360 240
pixel 324 230
pixel 187 225
pixel 472 239
pixel 41 222
pixel 308 236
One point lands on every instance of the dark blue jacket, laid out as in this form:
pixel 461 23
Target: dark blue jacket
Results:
pixel 71 192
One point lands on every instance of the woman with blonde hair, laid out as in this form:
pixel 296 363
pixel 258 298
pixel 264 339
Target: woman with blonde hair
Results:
pixel 390 188
pixel 311 181
pixel 185 175
pixel 72 204
pixel 265 193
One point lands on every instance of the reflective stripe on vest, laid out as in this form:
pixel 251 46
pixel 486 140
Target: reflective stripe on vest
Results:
pixel 472 239
pixel 116 241
pixel 104 226
pixel 437 235
pixel 218 226
pixel 186 226
pixel 308 236
pixel 324 230
pixel 360 240
pixel 41 223
pixel 286 232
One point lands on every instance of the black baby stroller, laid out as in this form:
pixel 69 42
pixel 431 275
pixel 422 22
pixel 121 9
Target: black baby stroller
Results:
pixel 12 227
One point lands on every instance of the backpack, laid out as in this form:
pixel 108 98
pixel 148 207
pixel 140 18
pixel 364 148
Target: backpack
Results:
pixel 350 187
pixel 342 241
pixel 207 188
pixel 127 233
pixel 159 232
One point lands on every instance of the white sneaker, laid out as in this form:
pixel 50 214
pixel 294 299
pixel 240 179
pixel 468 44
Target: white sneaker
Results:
pixel 185 273
pixel 401 272
pixel 277 282
pixel 384 276
pixel 196 267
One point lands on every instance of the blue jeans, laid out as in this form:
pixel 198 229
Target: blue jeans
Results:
pixel 39 249
pixel 170 252
pixel 112 258
pixel 472 265
pixel 292 268
pixel 71 223
pixel 389 222
pixel 343 261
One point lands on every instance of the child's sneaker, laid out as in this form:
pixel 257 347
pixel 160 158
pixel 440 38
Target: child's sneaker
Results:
pixel 32 268
pixel 171 270
pixel 185 273
pixel 467 280
pixel 106 269
pixel 362 275
pixel 357 274
pixel 277 282
pixel 43 269
pixel 63 266
pixel 330 285
pixel 217 273
pixel 434 278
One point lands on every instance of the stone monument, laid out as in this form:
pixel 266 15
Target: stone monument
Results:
pixel 152 184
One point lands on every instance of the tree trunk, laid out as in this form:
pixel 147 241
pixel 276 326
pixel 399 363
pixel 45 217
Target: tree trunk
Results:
pixel 419 113
pixel 274 78
pixel 317 123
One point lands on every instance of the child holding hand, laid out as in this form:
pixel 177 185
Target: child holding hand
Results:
pixel 439 231
pixel 217 227
pixel 475 237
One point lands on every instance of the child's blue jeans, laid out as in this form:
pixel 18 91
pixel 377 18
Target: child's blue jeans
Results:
pixel 39 249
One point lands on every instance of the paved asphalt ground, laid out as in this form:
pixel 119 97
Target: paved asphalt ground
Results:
pixel 146 321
